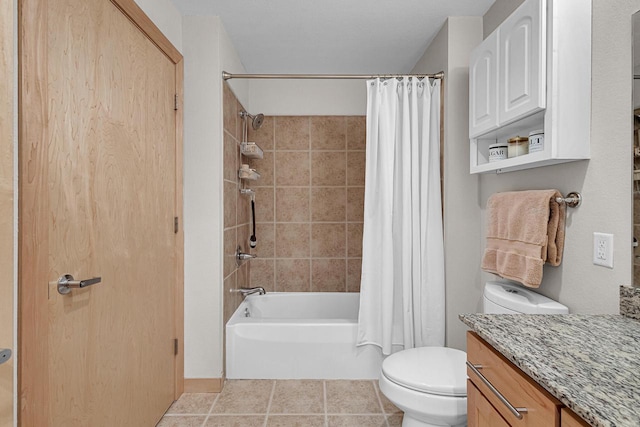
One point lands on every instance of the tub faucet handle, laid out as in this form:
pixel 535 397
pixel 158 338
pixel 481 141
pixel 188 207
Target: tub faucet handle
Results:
pixel 242 256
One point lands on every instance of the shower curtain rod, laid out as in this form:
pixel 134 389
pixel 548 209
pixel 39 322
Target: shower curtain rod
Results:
pixel 228 76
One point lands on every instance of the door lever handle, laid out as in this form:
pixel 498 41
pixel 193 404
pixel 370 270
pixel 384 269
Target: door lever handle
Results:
pixel 66 283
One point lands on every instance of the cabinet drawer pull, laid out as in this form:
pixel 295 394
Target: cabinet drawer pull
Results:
pixel 517 412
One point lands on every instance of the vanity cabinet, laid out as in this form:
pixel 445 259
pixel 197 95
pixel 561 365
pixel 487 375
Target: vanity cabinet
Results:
pixel 533 73
pixel 495 384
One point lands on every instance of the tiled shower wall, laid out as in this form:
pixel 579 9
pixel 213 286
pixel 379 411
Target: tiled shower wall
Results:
pixel 309 203
pixel 237 207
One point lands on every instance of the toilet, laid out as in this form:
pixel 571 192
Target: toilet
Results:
pixel 430 383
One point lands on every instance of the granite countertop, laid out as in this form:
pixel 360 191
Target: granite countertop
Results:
pixel 591 363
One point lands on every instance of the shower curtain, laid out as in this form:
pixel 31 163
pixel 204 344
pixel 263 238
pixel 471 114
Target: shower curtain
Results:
pixel 402 284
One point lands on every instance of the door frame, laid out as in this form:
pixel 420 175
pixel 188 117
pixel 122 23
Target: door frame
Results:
pixel 32 241
pixel 7 205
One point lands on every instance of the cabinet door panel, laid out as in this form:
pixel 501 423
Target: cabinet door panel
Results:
pixel 480 413
pixel 483 87
pixel 522 81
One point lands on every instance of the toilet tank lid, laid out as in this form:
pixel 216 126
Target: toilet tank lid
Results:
pixel 433 370
pixel 521 300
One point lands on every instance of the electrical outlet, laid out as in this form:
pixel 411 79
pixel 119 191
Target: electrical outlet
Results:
pixel 603 249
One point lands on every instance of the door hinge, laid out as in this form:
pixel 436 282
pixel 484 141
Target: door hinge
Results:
pixel 176 225
pixel 175 346
pixel 175 102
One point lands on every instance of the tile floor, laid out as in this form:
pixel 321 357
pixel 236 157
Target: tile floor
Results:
pixel 286 403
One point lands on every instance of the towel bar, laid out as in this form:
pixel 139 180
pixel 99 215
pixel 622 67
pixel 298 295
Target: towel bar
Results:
pixel 573 199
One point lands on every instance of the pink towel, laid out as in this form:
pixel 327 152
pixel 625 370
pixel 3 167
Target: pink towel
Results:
pixel 525 229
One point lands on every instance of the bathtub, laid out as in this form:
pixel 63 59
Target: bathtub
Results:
pixel 298 335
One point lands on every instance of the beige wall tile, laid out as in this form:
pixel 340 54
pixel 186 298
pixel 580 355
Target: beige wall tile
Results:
pixel 354 270
pixel 328 204
pixel 293 240
pixel 266 239
pixel 230 157
pixel 229 109
pixel 356 132
pixel 328 240
pixel 355 203
pixel 355 167
pixel 292 133
pixel 265 208
pixel 328 168
pixel 293 275
pixel 263 136
pixel 243 275
pixel 231 300
pixel 239 122
pixel 292 204
pixel 262 273
pixel 354 240
pixel 265 167
pixel 244 208
pixel 328 133
pixel 328 275
pixel 292 168
pixel 229 262
pixel 230 194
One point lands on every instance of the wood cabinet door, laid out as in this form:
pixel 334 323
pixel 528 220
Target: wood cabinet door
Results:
pixel 480 413
pixel 483 86
pixel 522 57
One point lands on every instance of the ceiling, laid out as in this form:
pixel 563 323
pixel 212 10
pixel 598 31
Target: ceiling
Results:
pixel 332 36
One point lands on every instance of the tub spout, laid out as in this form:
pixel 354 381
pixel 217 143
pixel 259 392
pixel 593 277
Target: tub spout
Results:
pixel 250 291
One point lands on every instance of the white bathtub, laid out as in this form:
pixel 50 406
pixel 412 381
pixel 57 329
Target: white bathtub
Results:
pixel 298 335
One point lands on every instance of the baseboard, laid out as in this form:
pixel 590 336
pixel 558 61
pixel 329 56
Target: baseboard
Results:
pixel 203 385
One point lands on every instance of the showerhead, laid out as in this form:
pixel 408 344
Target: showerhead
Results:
pixel 256 121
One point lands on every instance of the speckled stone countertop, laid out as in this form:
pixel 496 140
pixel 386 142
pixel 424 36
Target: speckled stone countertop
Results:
pixel 591 363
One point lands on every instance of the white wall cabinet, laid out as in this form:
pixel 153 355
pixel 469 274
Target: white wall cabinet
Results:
pixel 483 85
pixel 533 72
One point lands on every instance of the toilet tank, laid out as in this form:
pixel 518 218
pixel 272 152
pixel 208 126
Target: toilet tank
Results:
pixel 509 298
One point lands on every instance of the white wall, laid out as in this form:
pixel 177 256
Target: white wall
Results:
pixel 449 52
pixel 308 97
pixel 604 181
pixel 207 52
pixel 167 18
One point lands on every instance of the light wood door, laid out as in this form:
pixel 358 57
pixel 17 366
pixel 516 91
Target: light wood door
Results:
pixel 480 413
pixel 98 198
pixel 7 255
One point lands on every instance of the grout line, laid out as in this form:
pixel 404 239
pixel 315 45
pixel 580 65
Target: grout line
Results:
pixel 324 392
pixel 211 409
pixel 273 391
pixel 378 392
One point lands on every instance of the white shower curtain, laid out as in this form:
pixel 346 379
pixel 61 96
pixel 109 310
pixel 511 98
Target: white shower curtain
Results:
pixel 402 285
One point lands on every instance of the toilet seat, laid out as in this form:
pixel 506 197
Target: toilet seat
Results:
pixel 434 370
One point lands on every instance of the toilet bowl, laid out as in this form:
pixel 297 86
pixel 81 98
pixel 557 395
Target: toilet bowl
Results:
pixel 429 383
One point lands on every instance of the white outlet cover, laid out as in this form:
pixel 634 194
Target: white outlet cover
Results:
pixel 603 249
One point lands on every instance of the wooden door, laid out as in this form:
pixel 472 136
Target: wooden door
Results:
pixel 6 209
pixel 483 86
pixel 523 62
pixel 99 182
